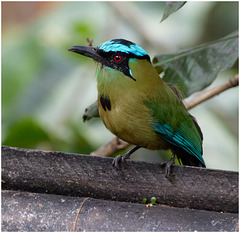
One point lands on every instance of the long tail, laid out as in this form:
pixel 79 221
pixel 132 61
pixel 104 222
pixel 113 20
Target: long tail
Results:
pixel 180 146
pixel 188 159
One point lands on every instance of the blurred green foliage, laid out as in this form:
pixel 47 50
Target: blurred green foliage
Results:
pixel 170 8
pixel 196 68
pixel 45 89
pixel 26 133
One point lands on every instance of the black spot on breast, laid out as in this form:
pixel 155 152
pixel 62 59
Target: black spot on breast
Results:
pixel 102 101
pixel 108 104
pixel 105 102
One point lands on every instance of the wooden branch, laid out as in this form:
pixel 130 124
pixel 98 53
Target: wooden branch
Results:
pixel 24 211
pixel 111 148
pixel 233 82
pixel 89 176
pixel 115 145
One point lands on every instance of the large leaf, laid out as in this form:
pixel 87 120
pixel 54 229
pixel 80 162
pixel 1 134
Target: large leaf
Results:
pixel 194 69
pixel 171 7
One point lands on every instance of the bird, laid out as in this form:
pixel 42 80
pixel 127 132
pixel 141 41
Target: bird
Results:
pixel 137 106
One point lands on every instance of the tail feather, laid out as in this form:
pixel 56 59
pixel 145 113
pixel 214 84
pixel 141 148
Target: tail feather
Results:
pixel 184 149
pixel 187 159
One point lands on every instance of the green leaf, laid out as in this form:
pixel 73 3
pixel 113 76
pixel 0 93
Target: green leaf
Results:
pixel 153 200
pixel 194 69
pixel 91 111
pixel 144 200
pixel 171 7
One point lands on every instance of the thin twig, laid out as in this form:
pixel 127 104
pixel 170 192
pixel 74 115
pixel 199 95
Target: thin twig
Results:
pixel 116 144
pixel 78 214
pixel 233 82
pixel 90 42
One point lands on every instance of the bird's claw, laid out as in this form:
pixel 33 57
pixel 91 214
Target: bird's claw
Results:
pixel 122 158
pixel 117 160
pixel 168 168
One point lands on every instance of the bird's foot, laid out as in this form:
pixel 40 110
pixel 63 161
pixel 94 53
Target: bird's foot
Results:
pixel 122 158
pixel 168 166
pixel 119 159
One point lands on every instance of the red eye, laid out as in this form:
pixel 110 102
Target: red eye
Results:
pixel 117 58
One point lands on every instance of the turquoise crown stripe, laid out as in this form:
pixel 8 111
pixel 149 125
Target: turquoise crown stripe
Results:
pixel 116 46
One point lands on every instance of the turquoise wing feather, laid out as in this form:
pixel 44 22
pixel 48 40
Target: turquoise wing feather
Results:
pixel 175 125
pixel 176 139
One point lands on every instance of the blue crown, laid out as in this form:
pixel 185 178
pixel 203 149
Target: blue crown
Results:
pixel 121 45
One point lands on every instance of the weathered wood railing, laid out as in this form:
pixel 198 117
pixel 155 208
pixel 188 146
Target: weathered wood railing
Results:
pixel 55 191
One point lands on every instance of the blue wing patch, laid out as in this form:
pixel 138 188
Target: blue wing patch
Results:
pixel 176 139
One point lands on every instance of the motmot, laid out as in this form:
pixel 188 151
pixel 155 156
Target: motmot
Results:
pixel 137 106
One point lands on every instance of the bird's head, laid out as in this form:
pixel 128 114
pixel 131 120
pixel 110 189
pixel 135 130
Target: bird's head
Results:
pixel 114 54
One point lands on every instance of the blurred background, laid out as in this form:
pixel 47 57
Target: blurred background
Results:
pixel 45 88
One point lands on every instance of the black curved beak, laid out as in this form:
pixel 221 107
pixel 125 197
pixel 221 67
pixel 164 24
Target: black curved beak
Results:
pixel 87 51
